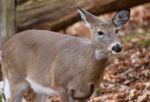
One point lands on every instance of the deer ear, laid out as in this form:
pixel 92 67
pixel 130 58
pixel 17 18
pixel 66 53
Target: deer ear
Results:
pixel 86 17
pixel 121 17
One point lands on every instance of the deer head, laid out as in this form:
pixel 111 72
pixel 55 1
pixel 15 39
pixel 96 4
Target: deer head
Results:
pixel 104 32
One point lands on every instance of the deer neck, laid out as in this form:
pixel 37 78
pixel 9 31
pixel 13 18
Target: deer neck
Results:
pixel 96 63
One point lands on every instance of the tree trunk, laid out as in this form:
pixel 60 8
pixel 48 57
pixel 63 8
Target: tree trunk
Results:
pixel 7 20
pixel 57 14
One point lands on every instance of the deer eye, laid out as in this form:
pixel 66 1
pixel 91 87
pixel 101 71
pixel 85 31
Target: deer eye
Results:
pixel 116 31
pixel 100 33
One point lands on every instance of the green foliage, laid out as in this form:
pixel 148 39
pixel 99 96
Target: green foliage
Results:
pixel 144 43
pixel 97 91
pixel 128 38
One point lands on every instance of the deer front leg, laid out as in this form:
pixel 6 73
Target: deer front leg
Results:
pixel 64 95
pixel 71 99
pixel 77 100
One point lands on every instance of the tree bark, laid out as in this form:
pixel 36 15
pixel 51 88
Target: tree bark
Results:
pixel 58 14
pixel 7 20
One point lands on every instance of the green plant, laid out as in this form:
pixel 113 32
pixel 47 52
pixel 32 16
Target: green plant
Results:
pixel 144 43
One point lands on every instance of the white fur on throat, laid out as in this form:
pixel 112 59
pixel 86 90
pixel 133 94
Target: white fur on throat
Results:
pixel 99 54
pixel 23 100
pixel 41 89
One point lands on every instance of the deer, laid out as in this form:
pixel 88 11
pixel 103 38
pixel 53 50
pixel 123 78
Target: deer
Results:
pixel 52 63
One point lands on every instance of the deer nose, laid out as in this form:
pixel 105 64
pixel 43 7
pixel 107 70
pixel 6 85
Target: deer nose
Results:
pixel 117 48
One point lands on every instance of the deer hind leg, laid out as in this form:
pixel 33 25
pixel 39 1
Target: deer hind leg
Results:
pixel 17 91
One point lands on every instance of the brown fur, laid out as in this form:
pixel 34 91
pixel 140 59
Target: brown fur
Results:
pixel 52 59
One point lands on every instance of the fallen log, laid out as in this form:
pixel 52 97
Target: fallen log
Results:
pixel 58 14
